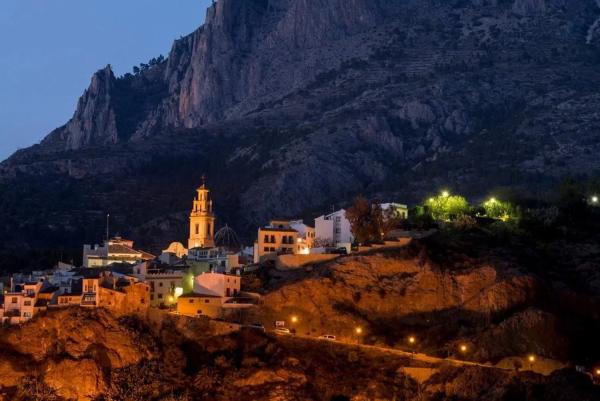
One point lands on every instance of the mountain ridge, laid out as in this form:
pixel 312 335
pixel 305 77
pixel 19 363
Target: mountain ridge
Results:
pixel 290 106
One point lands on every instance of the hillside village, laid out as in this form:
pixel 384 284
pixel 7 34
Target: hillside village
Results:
pixel 202 279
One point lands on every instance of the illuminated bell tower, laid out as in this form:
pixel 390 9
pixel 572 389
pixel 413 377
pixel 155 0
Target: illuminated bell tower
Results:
pixel 202 220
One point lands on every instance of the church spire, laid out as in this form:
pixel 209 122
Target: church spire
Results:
pixel 202 219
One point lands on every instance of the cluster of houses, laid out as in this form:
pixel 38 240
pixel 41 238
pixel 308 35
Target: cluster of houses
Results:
pixel 202 279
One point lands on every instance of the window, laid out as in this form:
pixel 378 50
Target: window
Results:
pixel 284 240
pixel 266 249
pixel 206 301
pixel 290 239
pixel 266 241
pixel 197 229
pixel 272 239
pixel 160 284
pixel 191 301
pixel 27 303
pixel 14 300
pixel 160 296
pixel 151 297
pixel 26 314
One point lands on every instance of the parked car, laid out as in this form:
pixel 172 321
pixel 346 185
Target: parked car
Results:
pixel 256 326
pixel 327 337
pixel 336 251
pixel 282 330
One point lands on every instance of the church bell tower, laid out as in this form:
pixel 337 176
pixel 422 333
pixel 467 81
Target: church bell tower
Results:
pixel 202 220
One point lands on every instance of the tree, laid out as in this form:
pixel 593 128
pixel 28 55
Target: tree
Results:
pixel 448 207
pixel 369 222
pixel 496 209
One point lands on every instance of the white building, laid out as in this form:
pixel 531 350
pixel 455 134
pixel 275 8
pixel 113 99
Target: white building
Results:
pixel 333 229
pixel 20 302
pixel 116 250
pixel 216 284
pixel 306 236
pixel 397 209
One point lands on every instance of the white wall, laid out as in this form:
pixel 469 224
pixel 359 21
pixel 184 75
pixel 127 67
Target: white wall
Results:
pixel 217 284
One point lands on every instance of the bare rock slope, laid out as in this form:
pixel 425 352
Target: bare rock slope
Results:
pixel 290 106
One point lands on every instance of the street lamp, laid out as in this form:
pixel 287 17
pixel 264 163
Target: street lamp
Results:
pixel 411 342
pixel 445 194
pixel 531 359
pixel 594 199
pixel 463 348
pixel 294 319
pixel 358 331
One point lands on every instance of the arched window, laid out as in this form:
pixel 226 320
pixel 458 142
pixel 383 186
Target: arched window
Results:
pixel 197 229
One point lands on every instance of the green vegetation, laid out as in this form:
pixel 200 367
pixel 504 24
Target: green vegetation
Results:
pixel 448 207
pixel 499 210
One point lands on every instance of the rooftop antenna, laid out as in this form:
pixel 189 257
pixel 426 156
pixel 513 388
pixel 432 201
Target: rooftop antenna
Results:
pixel 107 226
pixel 203 178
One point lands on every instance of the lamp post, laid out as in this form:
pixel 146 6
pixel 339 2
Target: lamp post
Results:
pixel 412 342
pixel 463 348
pixel 294 320
pixel 358 331
pixel 531 359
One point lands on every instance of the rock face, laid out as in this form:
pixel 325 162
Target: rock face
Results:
pixel 94 122
pixel 447 289
pixel 177 359
pixel 290 106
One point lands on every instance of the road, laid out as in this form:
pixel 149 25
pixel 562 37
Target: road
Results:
pixel 415 356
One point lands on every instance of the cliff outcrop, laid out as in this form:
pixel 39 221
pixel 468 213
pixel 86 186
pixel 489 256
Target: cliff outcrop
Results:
pixel 178 359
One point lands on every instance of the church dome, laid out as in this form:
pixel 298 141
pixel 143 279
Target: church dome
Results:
pixel 226 237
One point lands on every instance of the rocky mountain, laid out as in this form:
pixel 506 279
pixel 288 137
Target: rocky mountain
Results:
pixel 290 106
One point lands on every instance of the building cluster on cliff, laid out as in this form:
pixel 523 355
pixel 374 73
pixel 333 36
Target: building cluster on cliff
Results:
pixel 202 279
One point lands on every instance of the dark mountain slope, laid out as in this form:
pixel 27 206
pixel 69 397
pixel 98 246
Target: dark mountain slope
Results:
pixel 292 105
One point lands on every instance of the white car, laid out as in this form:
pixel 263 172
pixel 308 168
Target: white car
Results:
pixel 327 337
pixel 282 330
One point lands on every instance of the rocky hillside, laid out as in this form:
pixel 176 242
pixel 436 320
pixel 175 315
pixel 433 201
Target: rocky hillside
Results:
pixel 446 290
pixel 290 106
pixel 78 354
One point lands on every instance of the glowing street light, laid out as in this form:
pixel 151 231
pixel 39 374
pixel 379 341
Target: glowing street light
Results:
pixel 294 319
pixel 463 348
pixel 531 358
pixel 597 372
pixel 358 330
pixel 431 200
pixel 594 199
pixel 445 194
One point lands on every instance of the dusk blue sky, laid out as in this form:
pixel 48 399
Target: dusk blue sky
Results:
pixel 49 50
